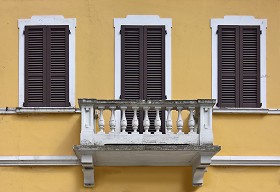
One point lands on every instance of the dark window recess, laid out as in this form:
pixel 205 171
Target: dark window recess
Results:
pixel 143 71
pixel 47 66
pixel 239 66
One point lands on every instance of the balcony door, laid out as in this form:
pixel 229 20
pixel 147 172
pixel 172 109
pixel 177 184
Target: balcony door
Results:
pixel 143 69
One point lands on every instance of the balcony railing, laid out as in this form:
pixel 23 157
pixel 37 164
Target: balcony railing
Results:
pixel 199 122
pixel 115 141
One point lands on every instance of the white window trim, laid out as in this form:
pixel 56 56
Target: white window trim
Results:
pixel 48 20
pixel 239 20
pixel 141 20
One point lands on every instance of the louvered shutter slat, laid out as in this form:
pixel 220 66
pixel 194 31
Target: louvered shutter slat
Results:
pixel 250 66
pixel 58 59
pixel 35 66
pixel 228 73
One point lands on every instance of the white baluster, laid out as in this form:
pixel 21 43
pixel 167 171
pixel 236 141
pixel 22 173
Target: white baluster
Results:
pixel 113 119
pixel 146 121
pixel 135 122
pixel 157 120
pixel 180 122
pixel 101 122
pixel 191 122
pixel 123 121
pixel 169 120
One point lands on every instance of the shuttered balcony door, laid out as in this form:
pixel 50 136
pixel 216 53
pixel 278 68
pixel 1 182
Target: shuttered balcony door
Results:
pixel 143 68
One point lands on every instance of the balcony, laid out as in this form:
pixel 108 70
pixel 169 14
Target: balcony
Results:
pixel 128 141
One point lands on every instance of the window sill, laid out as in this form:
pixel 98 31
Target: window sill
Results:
pixel 28 110
pixel 261 111
pixel 45 110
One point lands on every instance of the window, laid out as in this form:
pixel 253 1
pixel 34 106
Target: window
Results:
pixel 46 63
pixel 142 61
pixel 143 69
pixel 238 62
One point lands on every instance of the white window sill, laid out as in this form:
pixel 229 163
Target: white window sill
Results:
pixel 26 110
pixel 246 111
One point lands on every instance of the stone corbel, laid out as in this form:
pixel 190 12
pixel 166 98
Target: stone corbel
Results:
pixel 88 170
pixel 199 165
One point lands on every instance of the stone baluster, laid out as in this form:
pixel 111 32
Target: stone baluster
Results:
pixel 180 122
pixel 191 122
pixel 146 121
pixel 169 120
pixel 101 122
pixel 135 122
pixel 157 120
pixel 112 119
pixel 123 121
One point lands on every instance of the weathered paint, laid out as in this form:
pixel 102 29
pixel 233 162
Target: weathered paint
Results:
pixel 55 134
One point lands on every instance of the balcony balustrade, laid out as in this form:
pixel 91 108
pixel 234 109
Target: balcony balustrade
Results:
pixel 130 141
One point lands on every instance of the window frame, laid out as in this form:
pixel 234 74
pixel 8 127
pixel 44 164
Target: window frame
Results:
pixel 141 20
pixel 239 21
pixel 47 20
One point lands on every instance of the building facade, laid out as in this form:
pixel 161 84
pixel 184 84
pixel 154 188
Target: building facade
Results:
pixel 203 73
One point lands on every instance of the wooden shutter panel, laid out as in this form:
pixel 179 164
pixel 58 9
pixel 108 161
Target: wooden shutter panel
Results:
pixel 250 66
pixel 58 65
pixel 154 68
pixel 228 66
pixel 143 68
pixel 35 66
pixel 132 68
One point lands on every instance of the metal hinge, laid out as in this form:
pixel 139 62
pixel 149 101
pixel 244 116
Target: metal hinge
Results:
pixel 260 31
pixel 165 32
pixel 120 31
pixel 24 32
pixel 69 31
pixel 120 97
pixel 260 104
pixel 217 32
pixel 165 96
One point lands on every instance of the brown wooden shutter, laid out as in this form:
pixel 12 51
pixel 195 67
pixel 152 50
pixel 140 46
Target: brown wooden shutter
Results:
pixel 143 68
pixel 239 66
pixel 250 66
pixel 35 66
pixel 58 65
pixel 132 68
pixel 46 66
pixel 228 67
pixel 154 68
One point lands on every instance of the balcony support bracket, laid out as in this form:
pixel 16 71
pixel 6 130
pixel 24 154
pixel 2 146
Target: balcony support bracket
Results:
pixel 199 165
pixel 88 170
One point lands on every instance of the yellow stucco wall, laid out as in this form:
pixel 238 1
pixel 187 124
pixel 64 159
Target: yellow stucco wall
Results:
pixel 54 134
pixel 144 179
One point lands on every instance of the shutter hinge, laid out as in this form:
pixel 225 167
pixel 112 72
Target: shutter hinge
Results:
pixel 165 32
pixel 120 31
pixel 69 32
pixel 24 32
pixel 217 32
pixel 260 31
pixel 260 104
pixel 165 96
pixel 120 97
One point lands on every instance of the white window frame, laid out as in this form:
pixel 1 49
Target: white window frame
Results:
pixel 141 20
pixel 239 20
pixel 48 20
